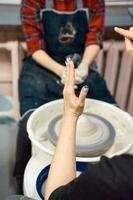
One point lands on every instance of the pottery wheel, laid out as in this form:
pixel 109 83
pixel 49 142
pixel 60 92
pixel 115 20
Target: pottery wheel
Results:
pixel 95 135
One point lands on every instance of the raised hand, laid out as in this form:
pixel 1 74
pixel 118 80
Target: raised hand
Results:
pixel 73 105
pixel 81 72
pixel 128 34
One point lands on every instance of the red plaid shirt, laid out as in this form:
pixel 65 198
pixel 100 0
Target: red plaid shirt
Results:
pixel 33 29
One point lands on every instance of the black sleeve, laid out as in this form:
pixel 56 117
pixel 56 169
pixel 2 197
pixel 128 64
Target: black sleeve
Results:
pixel 110 179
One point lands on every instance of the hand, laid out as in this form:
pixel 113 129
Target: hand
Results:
pixel 128 34
pixel 63 76
pixel 73 105
pixel 81 73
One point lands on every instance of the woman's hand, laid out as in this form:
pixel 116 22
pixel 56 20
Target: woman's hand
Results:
pixel 82 72
pixel 73 105
pixel 128 34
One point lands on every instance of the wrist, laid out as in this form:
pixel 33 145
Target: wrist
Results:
pixel 60 71
pixel 68 125
pixel 69 117
pixel 84 65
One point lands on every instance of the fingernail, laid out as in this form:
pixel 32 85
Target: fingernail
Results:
pixel 66 62
pixel 68 59
pixel 116 28
pixel 86 87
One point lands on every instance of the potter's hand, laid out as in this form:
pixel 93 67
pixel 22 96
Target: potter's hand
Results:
pixel 73 105
pixel 78 79
pixel 63 75
pixel 128 34
pixel 81 73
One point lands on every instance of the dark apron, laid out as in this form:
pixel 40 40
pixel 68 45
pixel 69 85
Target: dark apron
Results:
pixel 65 35
pixel 56 24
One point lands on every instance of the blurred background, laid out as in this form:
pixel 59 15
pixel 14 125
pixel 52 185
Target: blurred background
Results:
pixel 113 63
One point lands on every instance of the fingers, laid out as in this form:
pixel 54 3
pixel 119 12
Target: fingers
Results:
pixel 70 72
pixel 70 76
pixel 125 33
pixel 83 94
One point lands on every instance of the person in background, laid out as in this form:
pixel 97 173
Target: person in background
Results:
pixel 55 30
pixel 109 179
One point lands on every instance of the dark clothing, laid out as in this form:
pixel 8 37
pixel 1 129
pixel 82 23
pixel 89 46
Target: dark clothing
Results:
pixel 34 32
pixel 23 152
pixel 38 86
pixel 59 45
pixel 110 179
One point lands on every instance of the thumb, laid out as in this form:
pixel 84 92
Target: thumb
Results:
pixel 125 33
pixel 83 94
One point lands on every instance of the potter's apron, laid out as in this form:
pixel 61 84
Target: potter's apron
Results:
pixel 65 34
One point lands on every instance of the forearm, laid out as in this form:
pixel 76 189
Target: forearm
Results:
pixel 63 167
pixel 90 54
pixel 41 57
